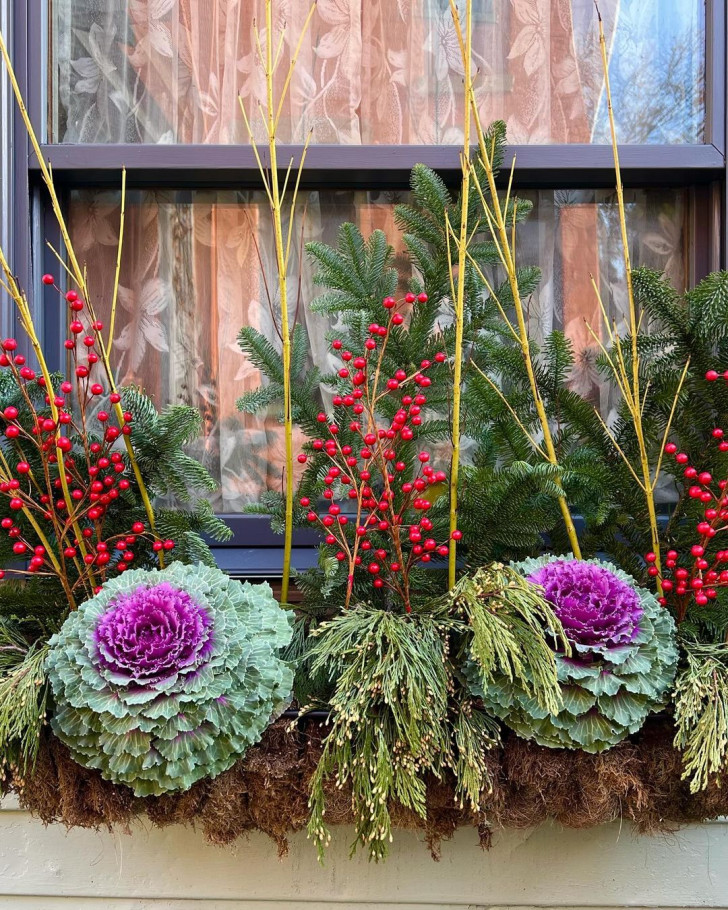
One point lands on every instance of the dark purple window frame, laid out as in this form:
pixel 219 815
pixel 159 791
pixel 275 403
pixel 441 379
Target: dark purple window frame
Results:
pixel 254 549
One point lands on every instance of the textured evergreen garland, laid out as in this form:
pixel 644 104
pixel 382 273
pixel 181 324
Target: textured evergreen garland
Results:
pixel 166 677
pixel 608 687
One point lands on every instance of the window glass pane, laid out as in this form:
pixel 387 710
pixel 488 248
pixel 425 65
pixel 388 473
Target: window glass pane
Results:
pixel 191 277
pixel 375 71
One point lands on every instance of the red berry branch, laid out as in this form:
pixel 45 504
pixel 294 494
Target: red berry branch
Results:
pixel 696 576
pixel 61 476
pixel 382 530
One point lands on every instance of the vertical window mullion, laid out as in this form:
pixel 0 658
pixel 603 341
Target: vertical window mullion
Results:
pixel 7 169
pixel 715 74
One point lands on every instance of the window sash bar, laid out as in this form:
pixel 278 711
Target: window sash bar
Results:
pixel 376 165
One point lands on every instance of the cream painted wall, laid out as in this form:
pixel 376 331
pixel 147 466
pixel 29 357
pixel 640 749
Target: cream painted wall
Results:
pixel 48 869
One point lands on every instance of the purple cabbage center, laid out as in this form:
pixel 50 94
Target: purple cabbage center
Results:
pixel 597 609
pixel 152 634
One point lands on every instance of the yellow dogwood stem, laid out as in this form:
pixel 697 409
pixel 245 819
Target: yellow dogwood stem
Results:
pixel 459 301
pixel 79 277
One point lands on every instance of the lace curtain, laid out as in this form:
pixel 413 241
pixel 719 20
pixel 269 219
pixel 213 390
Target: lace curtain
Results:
pixel 375 71
pixel 197 265
pixel 191 277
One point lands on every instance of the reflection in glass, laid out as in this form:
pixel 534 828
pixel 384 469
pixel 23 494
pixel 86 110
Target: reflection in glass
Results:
pixel 191 277
pixel 376 71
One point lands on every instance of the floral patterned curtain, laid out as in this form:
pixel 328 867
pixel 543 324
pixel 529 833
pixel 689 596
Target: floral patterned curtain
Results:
pixel 375 71
pixel 198 266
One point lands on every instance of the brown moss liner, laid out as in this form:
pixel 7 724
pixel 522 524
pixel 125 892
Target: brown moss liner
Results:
pixel 638 780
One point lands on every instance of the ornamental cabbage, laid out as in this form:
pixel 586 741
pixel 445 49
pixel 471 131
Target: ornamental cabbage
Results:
pixel 166 677
pixel 622 663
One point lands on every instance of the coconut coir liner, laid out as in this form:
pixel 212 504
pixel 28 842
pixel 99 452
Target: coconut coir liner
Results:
pixel 638 780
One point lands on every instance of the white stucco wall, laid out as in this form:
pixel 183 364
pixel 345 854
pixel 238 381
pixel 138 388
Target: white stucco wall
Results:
pixel 174 869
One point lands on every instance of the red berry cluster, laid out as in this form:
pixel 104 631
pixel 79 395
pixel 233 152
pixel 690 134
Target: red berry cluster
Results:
pixel 702 572
pixel 55 473
pixel 386 530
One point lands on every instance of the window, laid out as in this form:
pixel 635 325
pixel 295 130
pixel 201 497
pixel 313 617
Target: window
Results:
pixel 376 72
pixel 153 85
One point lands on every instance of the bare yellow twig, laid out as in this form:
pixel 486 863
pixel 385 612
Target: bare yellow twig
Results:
pixel 117 273
pixel 79 277
pixel 536 447
pixel 276 196
pixel 459 298
pixel 496 216
pixel 494 297
pixel 628 379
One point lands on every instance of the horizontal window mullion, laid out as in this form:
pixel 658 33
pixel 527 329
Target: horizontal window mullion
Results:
pixel 378 165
